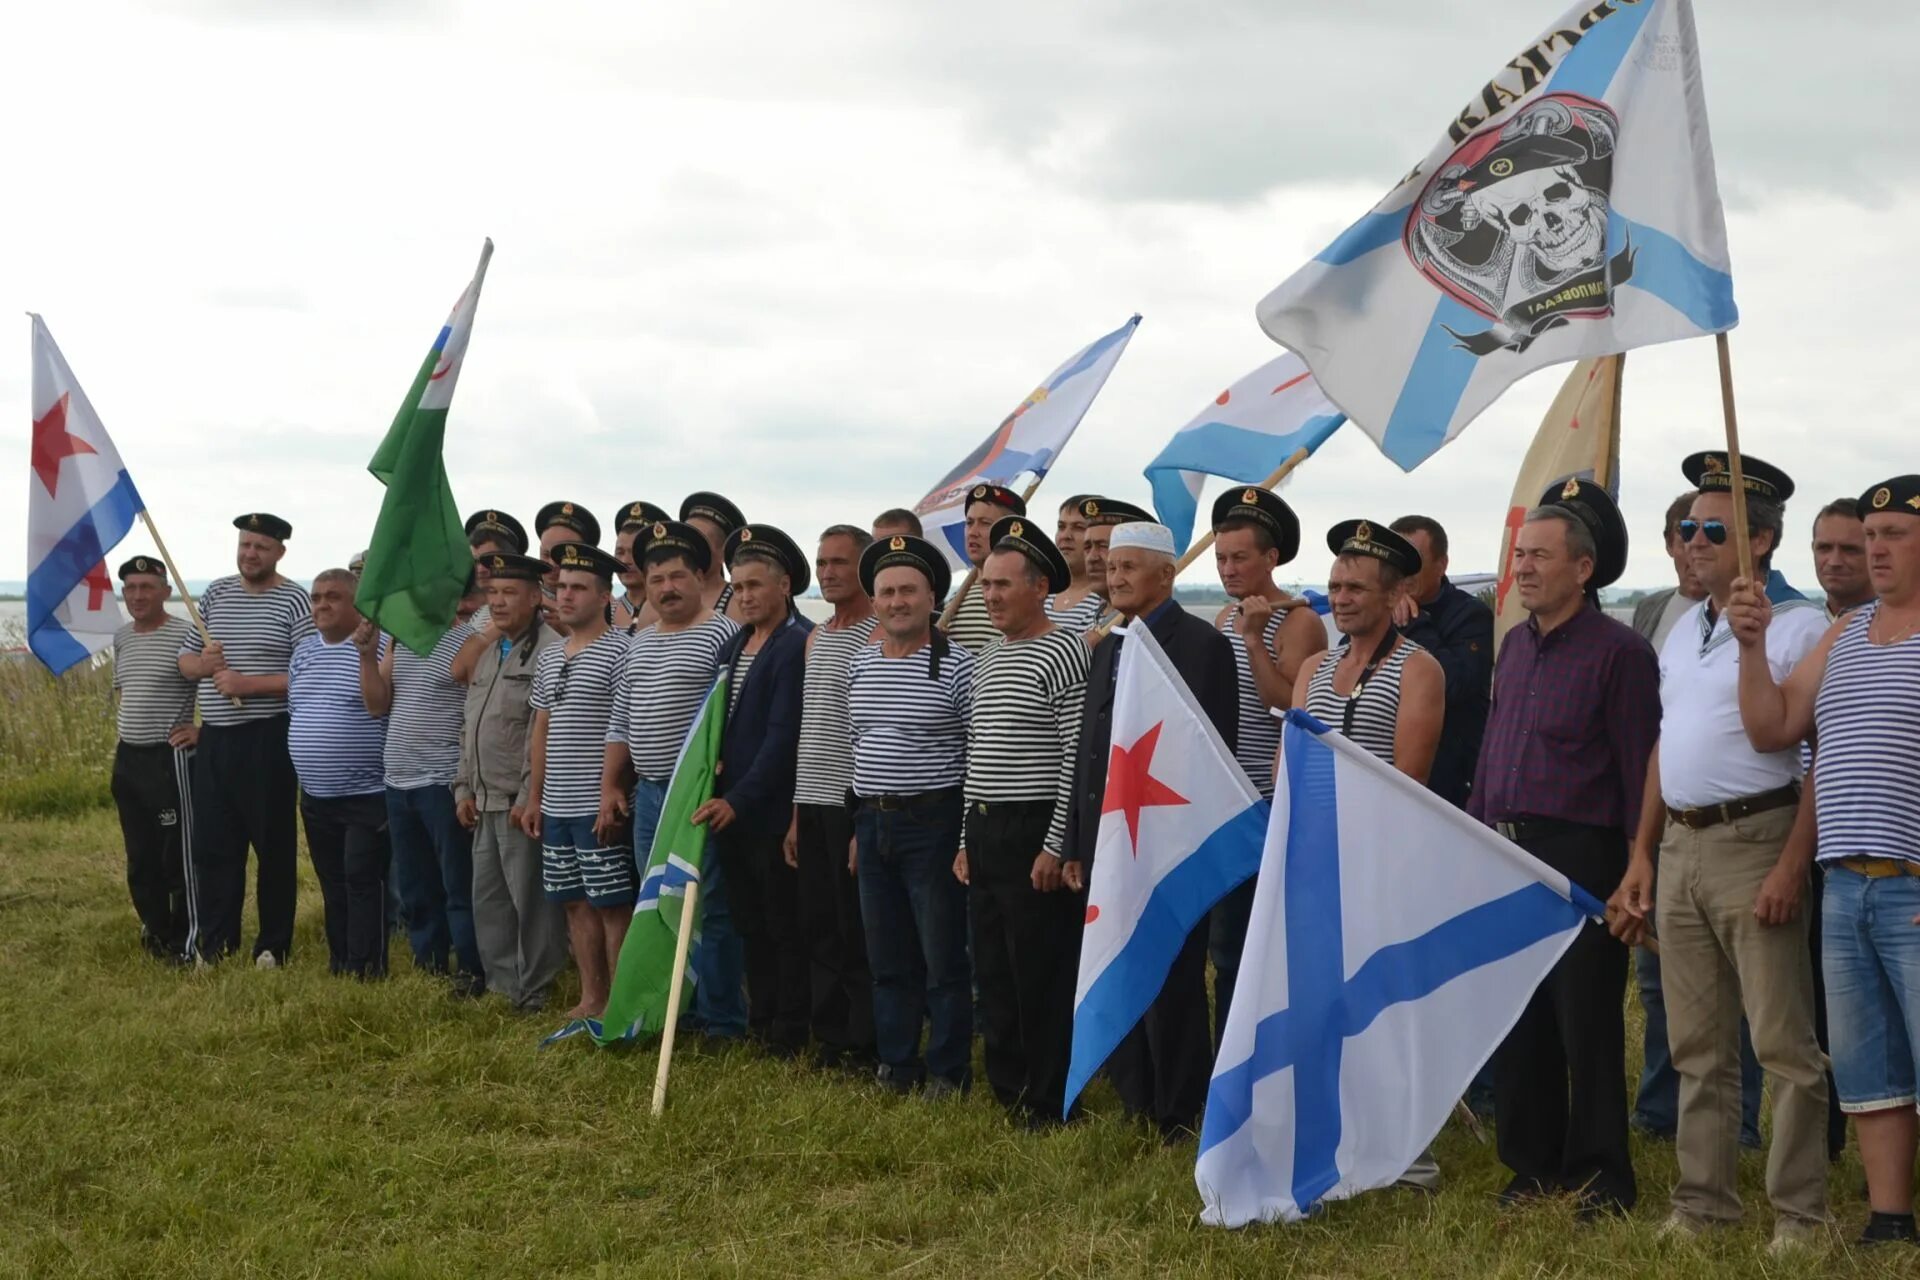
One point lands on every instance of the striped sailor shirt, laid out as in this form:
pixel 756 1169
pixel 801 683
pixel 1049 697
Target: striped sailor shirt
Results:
pixel 909 730
pixel 257 631
pixel 423 725
pixel 969 627
pixel 576 692
pixel 155 699
pixel 825 767
pixel 1025 727
pixel 336 746
pixel 1079 618
pixel 1866 789
pixel 664 678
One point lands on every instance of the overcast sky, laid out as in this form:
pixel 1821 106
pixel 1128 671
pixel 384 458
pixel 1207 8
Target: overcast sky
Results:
pixel 809 255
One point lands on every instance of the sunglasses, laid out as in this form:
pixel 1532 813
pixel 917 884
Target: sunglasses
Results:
pixel 1715 530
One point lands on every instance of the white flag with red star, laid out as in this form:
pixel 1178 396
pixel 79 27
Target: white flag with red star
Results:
pixel 80 504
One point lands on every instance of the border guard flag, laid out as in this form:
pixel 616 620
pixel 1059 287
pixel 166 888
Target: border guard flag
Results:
pixel 418 560
pixel 1181 825
pixel 1569 210
pixel 1027 441
pixel 1394 943
pixel 1245 435
pixel 80 503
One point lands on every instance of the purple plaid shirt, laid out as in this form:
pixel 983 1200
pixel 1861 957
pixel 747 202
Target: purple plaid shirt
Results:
pixel 1575 715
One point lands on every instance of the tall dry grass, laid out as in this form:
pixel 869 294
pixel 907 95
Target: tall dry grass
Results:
pixel 56 735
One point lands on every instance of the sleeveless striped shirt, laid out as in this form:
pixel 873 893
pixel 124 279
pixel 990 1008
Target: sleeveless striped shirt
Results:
pixel 1259 727
pixel 1866 789
pixel 825 772
pixel 1375 713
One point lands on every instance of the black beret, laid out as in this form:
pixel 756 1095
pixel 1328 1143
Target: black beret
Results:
pixel 1590 504
pixel 679 538
pixel 261 522
pixel 1104 511
pixel 509 530
pixel 1711 472
pixel 1265 508
pixel 508 565
pixel 142 564
pixel 1366 538
pixel 1016 533
pixel 568 515
pixel 905 549
pixel 715 508
pixel 584 557
pixel 1900 494
pixel 997 495
pixel 638 513
pixel 765 540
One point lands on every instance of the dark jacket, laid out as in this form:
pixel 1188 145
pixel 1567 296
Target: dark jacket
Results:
pixel 760 748
pixel 1457 629
pixel 1204 659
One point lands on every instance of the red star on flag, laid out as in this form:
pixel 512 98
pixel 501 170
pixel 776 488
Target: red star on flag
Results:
pixel 1131 785
pixel 52 442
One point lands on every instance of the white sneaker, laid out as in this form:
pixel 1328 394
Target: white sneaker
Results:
pixel 1679 1226
pixel 1791 1239
pixel 265 960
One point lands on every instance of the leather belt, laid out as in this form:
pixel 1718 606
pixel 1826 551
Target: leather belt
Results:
pixel 1878 868
pixel 897 803
pixel 1536 829
pixel 1713 815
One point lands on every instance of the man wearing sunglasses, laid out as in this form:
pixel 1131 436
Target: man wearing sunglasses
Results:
pixel 1734 848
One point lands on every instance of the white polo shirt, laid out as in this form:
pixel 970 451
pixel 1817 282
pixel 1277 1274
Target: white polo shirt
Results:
pixel 1705 757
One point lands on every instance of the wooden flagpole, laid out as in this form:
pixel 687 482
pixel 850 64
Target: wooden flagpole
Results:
pixel 673 994
pixel 1737 474
pixel 966 585
pixel 186 596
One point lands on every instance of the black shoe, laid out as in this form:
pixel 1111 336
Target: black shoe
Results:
pixel 1889 1228
pixel 1522 1189
pixel 894 1080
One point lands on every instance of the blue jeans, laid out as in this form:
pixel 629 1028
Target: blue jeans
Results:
pixel 1656 1107
pixel 648 798
pixel 719 960
pixel 1870 955
pixel 914 914
pixel 433 867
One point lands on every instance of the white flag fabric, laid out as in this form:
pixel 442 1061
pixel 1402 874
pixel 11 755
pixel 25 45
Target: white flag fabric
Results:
pixel 80 503
pixel 1026 442
pixel 1394 942
pixel 1569 210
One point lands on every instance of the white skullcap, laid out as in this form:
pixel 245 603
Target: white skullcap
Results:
pixel 1143 534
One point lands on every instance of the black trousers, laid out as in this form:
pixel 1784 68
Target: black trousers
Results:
pixel 840 1007
pixel 1836 1118
pixel 347 839
pixel 243 792
pixel 1559 1079
pixel 763 895
pixel 1026 956
pixel 1162 1068
pixel 153 792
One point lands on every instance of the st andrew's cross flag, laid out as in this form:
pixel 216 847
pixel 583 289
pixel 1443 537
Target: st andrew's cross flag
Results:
pixel 1181 825
pixel 1245 435
pixel 1570 209
pixel 1027 441
pixel 1394 942
pixel 80 503
pixel 418 560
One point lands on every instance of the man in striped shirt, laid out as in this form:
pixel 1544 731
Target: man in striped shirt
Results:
pixel 243 778
pixel 1027 696
pixel 336 746
pixel 153 715
pixel 717 519
pixel 820 836
pixel 908 702
pixel 586 865
pixel 1080 605
pixel 987 505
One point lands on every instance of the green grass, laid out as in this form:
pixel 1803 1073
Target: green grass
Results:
pixel 239 1123
pixel 56 737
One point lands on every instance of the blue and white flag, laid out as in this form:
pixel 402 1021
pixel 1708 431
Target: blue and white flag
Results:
pixel 80 503
pixel 1569 210
pixel 1245 435
pixel 1394 943
pixel 1181 825
pixel 1027 441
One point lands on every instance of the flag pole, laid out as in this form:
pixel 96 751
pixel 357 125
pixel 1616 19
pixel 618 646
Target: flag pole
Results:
pixel 186 596
pixel 673 995
pixel 966 584
pixel 1737 476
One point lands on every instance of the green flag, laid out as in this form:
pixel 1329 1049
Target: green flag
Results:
pixel 637 1004
pixel 418 562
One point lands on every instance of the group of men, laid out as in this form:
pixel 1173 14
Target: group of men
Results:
pixel 909 793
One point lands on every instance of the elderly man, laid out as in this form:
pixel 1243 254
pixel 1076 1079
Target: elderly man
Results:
pixel 153 761
pixel 336 745
pixel 1028 691
pixel 1840 557
pixel 243 780
pixel 909 698
pixel 1108 513
pixel 1162 1067
pixel 1734 849
pixel 752 803
pixel 1854 695
pixel 1576 708
pixel 987 505
pixel 521 936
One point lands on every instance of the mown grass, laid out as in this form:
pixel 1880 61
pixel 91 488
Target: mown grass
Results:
pixel 241 1123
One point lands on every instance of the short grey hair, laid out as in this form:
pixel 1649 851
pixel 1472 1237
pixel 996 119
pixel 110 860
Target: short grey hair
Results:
pixel 337 575
pixel 1579 537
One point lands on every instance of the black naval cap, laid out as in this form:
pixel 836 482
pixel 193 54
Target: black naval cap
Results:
pixel 1374 539
pixel 1899 494
pixel 1016 533
pixel 713 507
pixel 584 557
pixel 1710 472
pixel 261 522
pixel 1265 508
pixel 568 515
pixel 142 564
pixel 678 538
pixel 914 553
pixel 506 564
pixel 1103 511
pixel 764 542
pixel 1590 504
pixel 997 495
pixel 636 514
pixel 500 525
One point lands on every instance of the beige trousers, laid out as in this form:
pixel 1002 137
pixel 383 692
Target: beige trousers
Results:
pixel 1716 960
